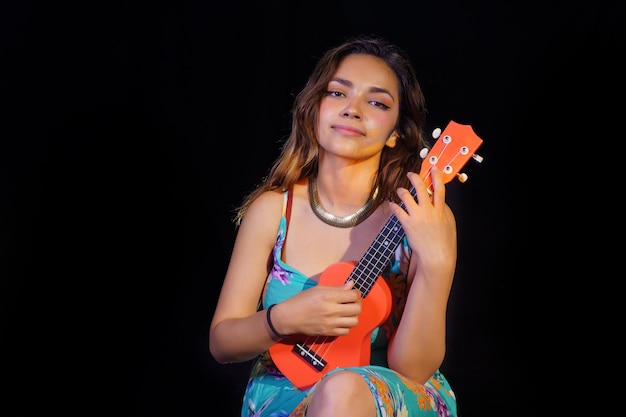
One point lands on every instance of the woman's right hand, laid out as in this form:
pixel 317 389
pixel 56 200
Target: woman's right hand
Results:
pixel 322 310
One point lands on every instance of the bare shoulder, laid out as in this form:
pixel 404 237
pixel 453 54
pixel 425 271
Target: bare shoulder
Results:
pixel 264 213
pixel 268 201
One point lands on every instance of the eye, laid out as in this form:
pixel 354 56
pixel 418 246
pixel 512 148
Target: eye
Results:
pixel 379 105
pixel 333 93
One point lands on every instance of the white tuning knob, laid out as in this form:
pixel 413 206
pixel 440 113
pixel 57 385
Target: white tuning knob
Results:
pixel 436 132
pixel 462 177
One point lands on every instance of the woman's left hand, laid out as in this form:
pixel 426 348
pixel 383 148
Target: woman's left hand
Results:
pixel 429 223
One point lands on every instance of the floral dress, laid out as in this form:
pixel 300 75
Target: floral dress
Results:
pixel 270 394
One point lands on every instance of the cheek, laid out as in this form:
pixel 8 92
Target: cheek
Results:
pixel 328 107
pixel 383 123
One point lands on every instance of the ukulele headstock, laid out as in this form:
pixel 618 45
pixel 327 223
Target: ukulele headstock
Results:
pixel 455 145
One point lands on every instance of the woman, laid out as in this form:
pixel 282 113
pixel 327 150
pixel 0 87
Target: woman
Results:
pixel 289 296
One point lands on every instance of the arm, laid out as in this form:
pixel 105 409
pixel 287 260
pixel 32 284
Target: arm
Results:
pixel 419 343
pixel 238 332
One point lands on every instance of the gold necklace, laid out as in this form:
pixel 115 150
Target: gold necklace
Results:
pixel 347 221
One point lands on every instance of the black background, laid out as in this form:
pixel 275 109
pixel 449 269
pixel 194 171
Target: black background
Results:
pixel 130 130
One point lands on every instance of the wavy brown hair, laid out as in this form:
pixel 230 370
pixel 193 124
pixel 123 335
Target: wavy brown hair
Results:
pixel 299 154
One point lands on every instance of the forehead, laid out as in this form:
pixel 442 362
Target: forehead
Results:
pixel 367 70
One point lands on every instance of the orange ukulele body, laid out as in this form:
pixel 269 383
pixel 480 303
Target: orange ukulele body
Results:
pixel 304 359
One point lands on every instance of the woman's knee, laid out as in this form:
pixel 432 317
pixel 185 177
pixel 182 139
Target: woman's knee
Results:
pixel 344 390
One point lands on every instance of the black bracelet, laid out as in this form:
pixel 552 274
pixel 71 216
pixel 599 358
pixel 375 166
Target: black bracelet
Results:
pixel 269 323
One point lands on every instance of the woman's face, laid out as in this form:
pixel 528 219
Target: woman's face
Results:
pixel 360 109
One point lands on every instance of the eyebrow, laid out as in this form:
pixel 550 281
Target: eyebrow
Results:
pixel 374 89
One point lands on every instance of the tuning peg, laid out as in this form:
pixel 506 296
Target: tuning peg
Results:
pixel 436 132
pixel 424 152
pixel 462 177
pixel 477 158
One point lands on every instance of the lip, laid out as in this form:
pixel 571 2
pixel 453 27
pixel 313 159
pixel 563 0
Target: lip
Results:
pixel 348 130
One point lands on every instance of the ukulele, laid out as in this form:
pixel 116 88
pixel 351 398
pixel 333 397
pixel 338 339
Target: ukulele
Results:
pixel 305 359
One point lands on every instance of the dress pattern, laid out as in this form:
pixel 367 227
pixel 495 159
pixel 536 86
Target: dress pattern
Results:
pixel 270 394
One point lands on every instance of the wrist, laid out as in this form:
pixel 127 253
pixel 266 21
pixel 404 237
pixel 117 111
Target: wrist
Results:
pixel 273 330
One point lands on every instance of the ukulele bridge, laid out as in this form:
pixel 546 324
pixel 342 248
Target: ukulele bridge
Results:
pixel 309 357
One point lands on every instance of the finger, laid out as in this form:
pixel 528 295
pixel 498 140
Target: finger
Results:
pixel 439 188
pixel 408 200
pixel 421 190
pixel 349 309
pixel 349 285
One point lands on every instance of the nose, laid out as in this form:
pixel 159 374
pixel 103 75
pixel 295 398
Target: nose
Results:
pixel 351 110
pixel 351 113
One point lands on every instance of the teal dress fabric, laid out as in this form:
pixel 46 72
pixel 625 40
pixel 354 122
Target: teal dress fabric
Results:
pixel 270 394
